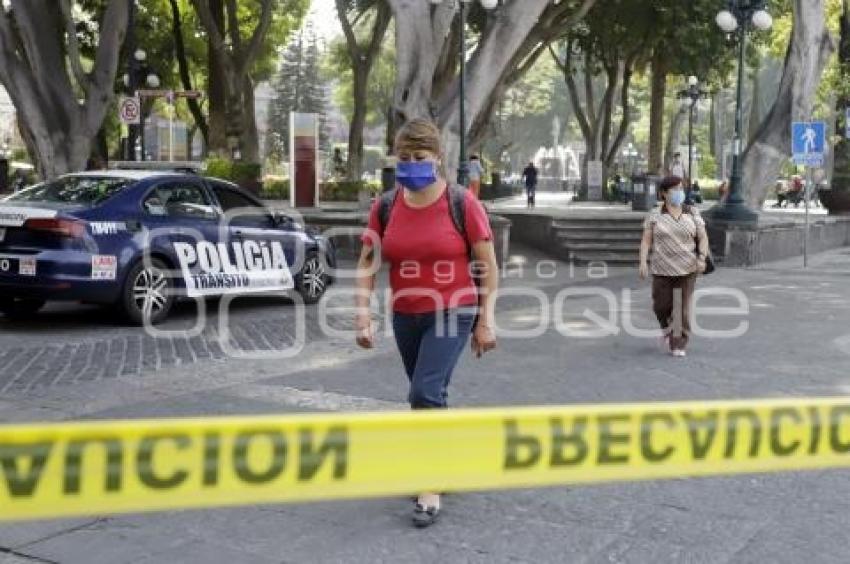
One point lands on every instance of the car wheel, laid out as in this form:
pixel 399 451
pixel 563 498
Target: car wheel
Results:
pixel 20 308
pixel 313 279
pixel 148 293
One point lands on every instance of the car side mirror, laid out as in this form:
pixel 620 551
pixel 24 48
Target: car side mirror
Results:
pixel 280 218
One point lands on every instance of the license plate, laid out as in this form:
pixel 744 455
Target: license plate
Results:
pixel 2 234
pixel 18 266
pixel 26 267
pixel 8 265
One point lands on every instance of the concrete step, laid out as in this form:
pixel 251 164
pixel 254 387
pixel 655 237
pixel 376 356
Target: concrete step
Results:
pixel 602 225
pixel 590 235
pixel 621 258
pixel 615 246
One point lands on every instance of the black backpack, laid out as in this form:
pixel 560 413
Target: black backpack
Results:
pixel 456 195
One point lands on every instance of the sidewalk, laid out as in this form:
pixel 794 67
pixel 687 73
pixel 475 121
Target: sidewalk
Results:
pixel 797 344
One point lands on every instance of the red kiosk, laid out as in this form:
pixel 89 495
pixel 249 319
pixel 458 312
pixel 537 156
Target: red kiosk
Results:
pixel 304 160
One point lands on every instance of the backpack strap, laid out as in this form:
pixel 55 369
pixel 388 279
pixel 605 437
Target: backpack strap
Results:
pixel 385 207
pixel 457 209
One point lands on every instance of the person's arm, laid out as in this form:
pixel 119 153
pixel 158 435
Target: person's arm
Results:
pixel 365 285
pixel 703 248
pixel 484 333
pixel 645 246
pixel 364 282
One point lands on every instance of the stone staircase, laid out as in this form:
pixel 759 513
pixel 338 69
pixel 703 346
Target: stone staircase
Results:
pixel 614 240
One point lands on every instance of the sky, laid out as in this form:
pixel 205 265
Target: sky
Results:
pixel 323 17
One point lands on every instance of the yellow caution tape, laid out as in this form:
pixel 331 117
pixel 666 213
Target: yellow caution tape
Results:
pixel 79 468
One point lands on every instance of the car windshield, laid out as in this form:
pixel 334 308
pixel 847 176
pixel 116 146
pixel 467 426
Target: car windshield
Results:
pixel 80 190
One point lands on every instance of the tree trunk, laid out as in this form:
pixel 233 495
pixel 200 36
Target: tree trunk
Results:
pixel 39 57
pixel 185 75
pixel 421 34
pixel 250 136
pixel 656 112
pixel 231 60
pixel 841 164
pixel 191 130
pixel 674 135
pixel 362 61
pixel 810 48
pixel 217 141
pixel 358 123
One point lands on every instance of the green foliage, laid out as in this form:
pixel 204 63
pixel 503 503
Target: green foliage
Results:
pixel 21 154
pixel 336 69
pixel 347 190
pixel 692 44
pixel 275 189
pixel 298 88
pixel 237 172
pixel 154 34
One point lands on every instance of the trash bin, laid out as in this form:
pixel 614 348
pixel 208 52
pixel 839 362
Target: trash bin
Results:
pixel 644 192
pixel 501 227
pixel 388 174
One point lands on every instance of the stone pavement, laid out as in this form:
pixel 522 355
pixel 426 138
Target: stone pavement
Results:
pixel 797 343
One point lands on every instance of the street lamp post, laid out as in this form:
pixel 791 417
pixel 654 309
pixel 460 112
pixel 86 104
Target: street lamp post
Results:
pixel 139 73
pixel 693 93
pixel 631 154
pixel 130 76
pixel 463 165
pixel 738 17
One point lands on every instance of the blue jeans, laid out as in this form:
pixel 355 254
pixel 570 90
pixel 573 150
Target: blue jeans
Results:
pixel 430 345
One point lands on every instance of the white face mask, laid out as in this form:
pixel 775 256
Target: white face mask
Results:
pixel 676 197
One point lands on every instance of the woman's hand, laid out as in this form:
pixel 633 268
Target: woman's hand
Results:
pixel 483 339
pixel 644 270
pixel 365 330
pixel 701 265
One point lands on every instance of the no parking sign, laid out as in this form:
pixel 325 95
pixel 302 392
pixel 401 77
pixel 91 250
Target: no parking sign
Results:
pixel 130 110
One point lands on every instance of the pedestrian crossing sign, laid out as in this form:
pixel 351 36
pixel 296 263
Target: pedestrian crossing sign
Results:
pixel 808 142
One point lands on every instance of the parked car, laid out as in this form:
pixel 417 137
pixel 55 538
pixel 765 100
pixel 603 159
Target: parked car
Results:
pixel 140 239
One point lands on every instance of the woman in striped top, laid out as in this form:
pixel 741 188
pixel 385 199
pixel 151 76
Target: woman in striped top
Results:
pixel 674 248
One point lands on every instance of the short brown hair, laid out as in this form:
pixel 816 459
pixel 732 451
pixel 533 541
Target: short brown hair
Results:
pixel 669 182
pixel 419 135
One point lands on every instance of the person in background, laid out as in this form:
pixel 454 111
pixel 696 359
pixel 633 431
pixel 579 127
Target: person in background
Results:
pixel 781 189
pixel 530 177
pixel 694 194
pixel 19 180
pixel 676 243
pixel 676 167
pixel 476 172
pixel 723 191
pixel 436 303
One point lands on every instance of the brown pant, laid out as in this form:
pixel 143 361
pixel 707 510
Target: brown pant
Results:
pixel 475 188
pixel 671 301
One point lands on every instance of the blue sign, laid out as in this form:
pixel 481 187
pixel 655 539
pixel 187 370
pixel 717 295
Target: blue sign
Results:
pixel 808 142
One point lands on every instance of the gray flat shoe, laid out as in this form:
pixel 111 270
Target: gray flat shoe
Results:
pixel 425 516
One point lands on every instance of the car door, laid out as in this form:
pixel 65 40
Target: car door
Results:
pixel 267 250
pixel 183 223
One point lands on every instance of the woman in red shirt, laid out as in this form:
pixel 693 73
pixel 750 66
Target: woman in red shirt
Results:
pixel 437 304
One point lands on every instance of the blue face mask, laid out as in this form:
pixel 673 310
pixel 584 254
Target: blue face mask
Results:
pixel 677 198
pixel 416 175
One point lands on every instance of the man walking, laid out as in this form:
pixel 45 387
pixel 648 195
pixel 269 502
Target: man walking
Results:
pixel 530 176
pixel 476 171
pixel 676 167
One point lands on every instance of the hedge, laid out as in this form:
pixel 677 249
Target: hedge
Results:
pixel 275 189
pixel 347 190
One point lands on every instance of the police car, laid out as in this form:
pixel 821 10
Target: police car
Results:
pixel 140 239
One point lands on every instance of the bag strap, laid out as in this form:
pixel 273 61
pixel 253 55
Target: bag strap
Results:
pixel 385 207
pixel 457 209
